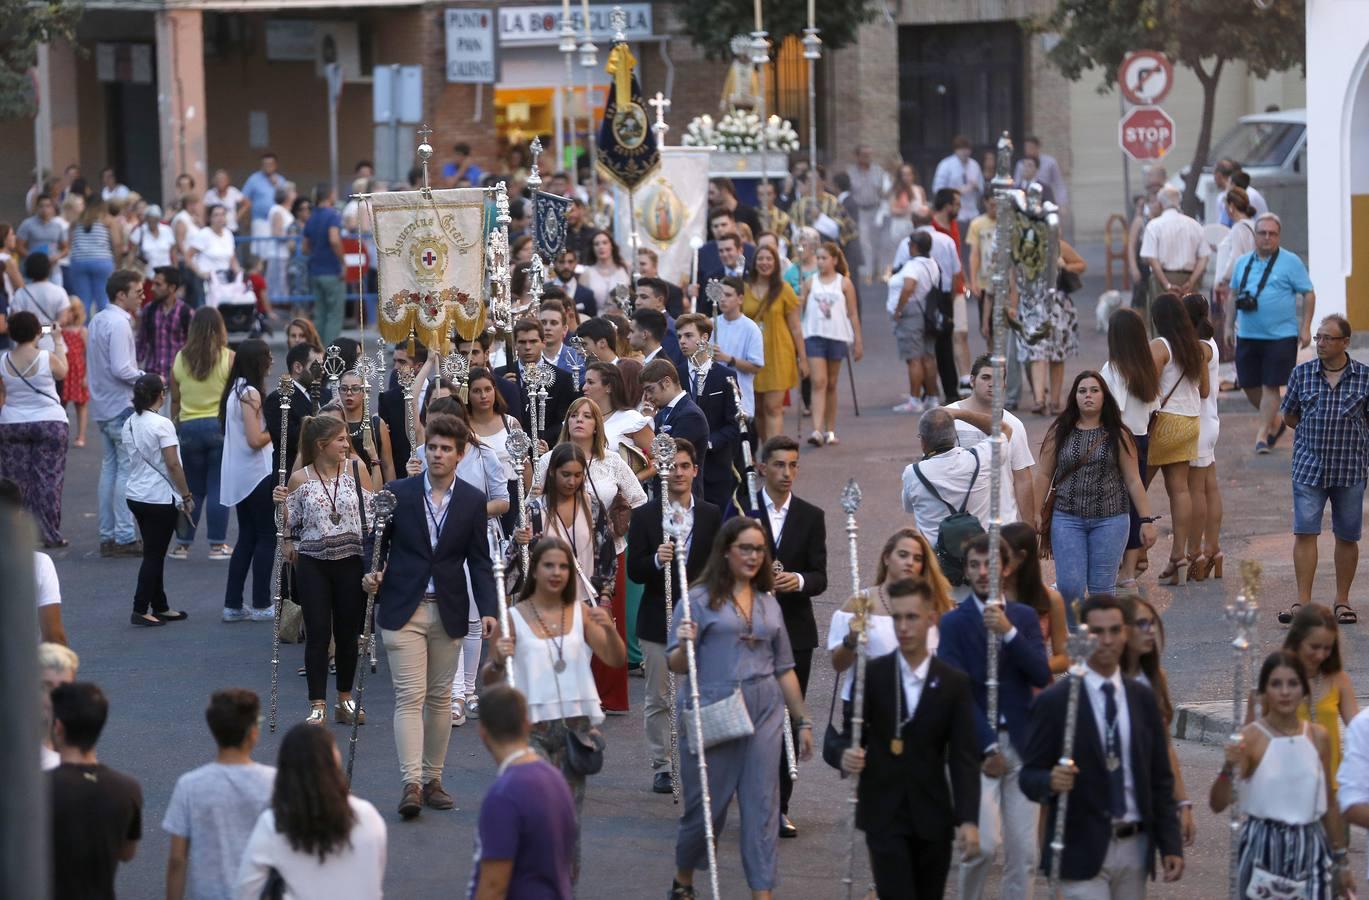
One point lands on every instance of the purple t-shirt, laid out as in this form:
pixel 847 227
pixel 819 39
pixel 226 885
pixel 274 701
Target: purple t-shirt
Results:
pixel 528 816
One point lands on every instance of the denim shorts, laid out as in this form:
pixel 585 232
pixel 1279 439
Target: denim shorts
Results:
pixel 826 348
pixel 1347 516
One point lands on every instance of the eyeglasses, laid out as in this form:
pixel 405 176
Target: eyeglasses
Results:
pixel 1145 625
pixel 350 389
pixel 1324 338
pixel 750 549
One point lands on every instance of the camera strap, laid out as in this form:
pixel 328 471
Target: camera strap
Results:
pixel 1264 279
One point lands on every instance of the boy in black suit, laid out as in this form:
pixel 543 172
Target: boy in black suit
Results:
pixel 711 391
pixel 918 726
pixel 797 534
pixel 676 414
pixel 1123 811
pixel 648 553
pixel 530 343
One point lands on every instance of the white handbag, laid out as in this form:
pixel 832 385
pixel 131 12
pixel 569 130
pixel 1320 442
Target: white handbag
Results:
pixel 726 720
pixel 1265 885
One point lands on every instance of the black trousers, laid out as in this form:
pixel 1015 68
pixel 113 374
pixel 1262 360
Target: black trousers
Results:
pixel 803 664
pixel 334 605
pixel 905 866
pixel 157 522
pixel 945 367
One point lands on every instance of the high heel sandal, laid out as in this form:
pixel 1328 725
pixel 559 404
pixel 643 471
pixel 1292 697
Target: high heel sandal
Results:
pixel 1214 563
pixel 346 710
pixel 1176 573
pixel 1198 567
pixel 317 715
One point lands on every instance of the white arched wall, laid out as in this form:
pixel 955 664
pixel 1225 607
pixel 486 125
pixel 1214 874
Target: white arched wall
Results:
pixel 1338 125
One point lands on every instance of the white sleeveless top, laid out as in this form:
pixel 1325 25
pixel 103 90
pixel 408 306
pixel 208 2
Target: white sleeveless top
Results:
pixel 34 401
pixel 1289 785
pixel 243 468
pixel 535 674
pixel 1209 423
pixel 1185 401
pixel 824 315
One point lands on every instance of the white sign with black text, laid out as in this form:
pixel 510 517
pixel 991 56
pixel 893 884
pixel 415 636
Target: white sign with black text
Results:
pixel 470 46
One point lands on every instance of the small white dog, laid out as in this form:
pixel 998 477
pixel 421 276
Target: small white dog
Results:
pixel 1108 303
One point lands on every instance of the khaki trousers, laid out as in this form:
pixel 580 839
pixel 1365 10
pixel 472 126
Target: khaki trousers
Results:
pixel 656 705
pixel 422 665
pixel 1123 876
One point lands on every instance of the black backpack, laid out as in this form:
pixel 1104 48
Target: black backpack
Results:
pixel 938 309
pixel 956 530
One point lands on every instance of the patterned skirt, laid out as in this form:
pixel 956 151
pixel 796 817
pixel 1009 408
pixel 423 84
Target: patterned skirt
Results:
pixel 1295 852
pixel 1173 439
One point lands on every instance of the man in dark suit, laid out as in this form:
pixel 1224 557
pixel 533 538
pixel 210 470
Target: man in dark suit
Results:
pixel 919 725
pixel 722 194
pixel 728 256
pixel 649 266
pixel 567 279
pixel 797 534
pixel 653 332
pixel 676 414
pixel 298 362
pixel 527 337
pixel 1022 666
pixel 390 405
pixel 648 553
pixel 1121 809
pixel 711 391
pixel 437 534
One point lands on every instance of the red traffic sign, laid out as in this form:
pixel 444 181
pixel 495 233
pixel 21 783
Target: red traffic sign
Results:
pixel 1146 133
pixel 1145 77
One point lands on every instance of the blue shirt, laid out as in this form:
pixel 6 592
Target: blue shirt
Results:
pixel 322 259
pixel 261 190
pixel 1331 443
pixel 1277 316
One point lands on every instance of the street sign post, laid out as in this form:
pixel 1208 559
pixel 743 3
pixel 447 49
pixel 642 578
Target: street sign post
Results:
pixel 1146 133
pixel 1145 77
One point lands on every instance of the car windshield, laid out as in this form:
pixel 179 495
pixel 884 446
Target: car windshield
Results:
pixel 1255 144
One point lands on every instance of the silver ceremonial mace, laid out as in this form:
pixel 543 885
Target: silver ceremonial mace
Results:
pixel 1080 648
pixel 749 463
pixel 663 455
pixel 675 527
pixel 285 391
pixel 501 597
pixel 519 446
pixel 850 502
pixel 383 509
pixel 333 367
pixel 1241 615
pixel 366 370
pixel 1002 185
pixel 405 377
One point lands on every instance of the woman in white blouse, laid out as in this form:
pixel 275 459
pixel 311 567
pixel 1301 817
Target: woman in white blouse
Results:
pixel 246 477
pixel 611 482
pixel 157 493
pixel 627 432
pixel 608 270
pixel 321 841
pixel 1133 381
pixel 214 249
pixel 326 520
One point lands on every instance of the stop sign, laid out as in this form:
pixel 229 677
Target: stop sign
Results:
pixel 1145 133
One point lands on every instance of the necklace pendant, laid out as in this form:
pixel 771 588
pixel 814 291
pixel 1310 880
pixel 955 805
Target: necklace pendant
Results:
pixel 559 666
pixel 896 746
pixel 1114 763
pixel 335 518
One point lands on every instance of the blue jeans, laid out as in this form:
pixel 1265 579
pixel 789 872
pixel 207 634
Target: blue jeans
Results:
pixel 86 279
pixel 1087 553
pixel 1347 509
pixel 116 519
pixel 202 456
pixel 255 549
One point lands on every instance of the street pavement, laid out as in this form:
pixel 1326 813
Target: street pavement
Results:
pixel 158 680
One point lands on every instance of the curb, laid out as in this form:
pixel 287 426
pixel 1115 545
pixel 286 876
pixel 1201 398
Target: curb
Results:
pixel 1201 724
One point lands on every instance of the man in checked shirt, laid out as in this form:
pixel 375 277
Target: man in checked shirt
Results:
pixel 1328 403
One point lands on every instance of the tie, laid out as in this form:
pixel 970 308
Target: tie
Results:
pixel 1117 802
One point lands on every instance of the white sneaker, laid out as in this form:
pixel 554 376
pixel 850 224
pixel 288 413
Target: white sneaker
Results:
pixel 911 405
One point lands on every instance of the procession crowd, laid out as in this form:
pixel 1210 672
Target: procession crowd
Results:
pixel 533 470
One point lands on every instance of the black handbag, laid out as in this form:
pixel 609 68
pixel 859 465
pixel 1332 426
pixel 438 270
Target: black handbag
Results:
pixel 1068 282
pixel 835 742
pixel 584 752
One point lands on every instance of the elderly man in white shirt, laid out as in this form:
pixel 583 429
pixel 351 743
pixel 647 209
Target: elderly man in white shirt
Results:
pixel 111 370
pixel 957 475
pixel 1173 246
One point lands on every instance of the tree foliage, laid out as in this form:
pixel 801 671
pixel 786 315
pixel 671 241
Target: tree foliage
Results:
pixel 711 24
pixel 1201 35
pixel 26 25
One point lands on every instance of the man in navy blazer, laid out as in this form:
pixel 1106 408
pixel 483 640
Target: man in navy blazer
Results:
pixel 718 261
pixel 567 279
pixel 437 534
pixel 1121 810
pixel 1005 814
pixel 711 391
pixel 676 414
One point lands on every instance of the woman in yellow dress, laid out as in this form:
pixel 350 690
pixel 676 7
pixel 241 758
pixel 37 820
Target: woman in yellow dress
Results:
pixel 1314 638
pixel 773 305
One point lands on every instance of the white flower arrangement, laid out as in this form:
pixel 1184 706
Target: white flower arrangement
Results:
pixel 740 131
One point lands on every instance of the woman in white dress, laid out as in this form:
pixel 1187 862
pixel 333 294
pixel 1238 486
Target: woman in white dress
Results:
pixel 277 257
pixel 1204 544
pixel 627 432
pixel 608 270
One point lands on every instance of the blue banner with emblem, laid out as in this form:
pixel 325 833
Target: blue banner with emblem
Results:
pixel 627 146
pixel 549 214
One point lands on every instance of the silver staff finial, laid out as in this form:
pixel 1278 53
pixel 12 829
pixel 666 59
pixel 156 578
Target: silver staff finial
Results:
pixel 850 497
pixel 618 21
pixel 661 103
pixel 425 152
pixel 535 175
pixel 663 452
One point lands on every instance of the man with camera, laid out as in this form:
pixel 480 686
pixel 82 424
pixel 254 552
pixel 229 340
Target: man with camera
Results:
pixel 1269 329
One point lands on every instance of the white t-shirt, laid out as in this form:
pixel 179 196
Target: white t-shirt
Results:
pixel 146 435
pixel 357 870
pixel 213 252
pixel 229 200
pixel 741 337
pixel 155 248
pixel 950 474
pixel 923 269
pixel 1018 455
pixel 45 300
pixel 215 807
pixel 49 589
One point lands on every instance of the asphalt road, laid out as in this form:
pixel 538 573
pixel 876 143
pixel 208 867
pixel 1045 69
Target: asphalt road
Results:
pixel 158 680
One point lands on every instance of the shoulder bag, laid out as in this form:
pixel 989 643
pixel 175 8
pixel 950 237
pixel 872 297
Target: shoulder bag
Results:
pixel 956 529
pixel 183 523
pixel 1155 413
pixel 723 720
pixel 1048 504
pixel 584 751
pixel 835 741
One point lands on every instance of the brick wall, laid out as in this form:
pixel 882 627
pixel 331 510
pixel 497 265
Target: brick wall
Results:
pixel 863 97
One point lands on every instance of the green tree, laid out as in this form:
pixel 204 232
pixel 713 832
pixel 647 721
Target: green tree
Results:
pixel 711 24
pixel 1201 35
pixel 26 25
